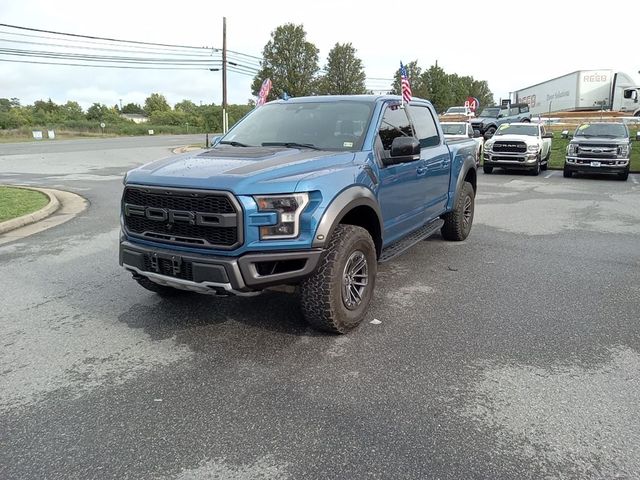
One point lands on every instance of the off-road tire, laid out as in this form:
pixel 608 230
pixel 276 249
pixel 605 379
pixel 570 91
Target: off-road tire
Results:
pixel 487 169
pixel 623 176
pixel 455 227
pixel 161 290
pixel 321 294
pixel 489 132
pixel 566 173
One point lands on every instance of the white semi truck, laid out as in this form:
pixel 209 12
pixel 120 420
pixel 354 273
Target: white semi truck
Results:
pixel 583 90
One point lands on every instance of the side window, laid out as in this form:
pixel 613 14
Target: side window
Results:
pixel 394 124
pixel 425 125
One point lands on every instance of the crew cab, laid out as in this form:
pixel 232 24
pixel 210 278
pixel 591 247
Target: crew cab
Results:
pixel 518 146
pixel 599 148
pixel 304 194
pixel 491 118
pixel 454 131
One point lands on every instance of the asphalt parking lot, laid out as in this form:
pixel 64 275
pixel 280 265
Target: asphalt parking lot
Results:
pixel 515 354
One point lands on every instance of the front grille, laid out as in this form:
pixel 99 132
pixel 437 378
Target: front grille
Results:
pixel 165 266
pixel 597 151
pixel 179 201
pixel 183 231
pixel 511 147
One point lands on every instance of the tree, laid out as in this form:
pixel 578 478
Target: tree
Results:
pixel 132 108
pixel 156 102
pixel 414 73
pixel 186 106
pixel 443 89
pixel 72 111
pixel 289 61
pixel 344 72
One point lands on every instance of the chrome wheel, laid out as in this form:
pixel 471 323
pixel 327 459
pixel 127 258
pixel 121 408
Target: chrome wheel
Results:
pixel 467 212
pixel 355 279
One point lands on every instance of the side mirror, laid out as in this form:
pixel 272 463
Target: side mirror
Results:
pixel 565 134
pixel 547 135
pixel 216 140
pixel 638 136
pixel 403 149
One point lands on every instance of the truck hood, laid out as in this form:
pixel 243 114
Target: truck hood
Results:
pixel 599 141
pixel 528 139
pixel 242 170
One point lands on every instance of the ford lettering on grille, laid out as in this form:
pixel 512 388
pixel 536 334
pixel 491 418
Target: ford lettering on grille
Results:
pixel 180 216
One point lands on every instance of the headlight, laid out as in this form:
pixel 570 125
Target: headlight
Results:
pixel 533 148
pixel 488 146
pixel 124 178
pixel 572 149
pixel 623 151
pixel 289 208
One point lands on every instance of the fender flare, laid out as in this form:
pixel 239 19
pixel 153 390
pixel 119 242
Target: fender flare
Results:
pixel 467 164
pixel 347 200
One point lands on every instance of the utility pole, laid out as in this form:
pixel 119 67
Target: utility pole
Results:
pixel 120 105
pixel 225 121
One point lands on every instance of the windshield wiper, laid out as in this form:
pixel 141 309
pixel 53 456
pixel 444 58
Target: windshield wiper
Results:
pixel 233 143
pixel 290 145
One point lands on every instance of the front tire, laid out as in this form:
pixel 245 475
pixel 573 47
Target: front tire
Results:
pixel 489 133
pixel 624 175
pixel 487 169
pixel 457 223
pixel 566 173
pixel 535 171
pixel 335 298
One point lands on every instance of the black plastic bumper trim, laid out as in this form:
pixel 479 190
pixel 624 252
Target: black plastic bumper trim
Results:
pixel 241 272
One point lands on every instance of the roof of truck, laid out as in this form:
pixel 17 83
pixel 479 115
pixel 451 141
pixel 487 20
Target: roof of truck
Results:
pixel 338 98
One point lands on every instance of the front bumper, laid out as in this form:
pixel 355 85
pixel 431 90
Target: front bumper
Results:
pixel 594 165
pixel 243 275
pixel 520 161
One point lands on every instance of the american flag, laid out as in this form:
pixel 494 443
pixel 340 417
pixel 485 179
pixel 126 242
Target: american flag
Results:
pixel 406 88
pixel 264 92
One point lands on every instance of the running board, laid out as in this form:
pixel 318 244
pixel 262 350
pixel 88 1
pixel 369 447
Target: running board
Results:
pixel 410 240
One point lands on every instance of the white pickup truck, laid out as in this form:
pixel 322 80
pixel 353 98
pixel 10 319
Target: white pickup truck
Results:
pixel 462 130
pixel 518 146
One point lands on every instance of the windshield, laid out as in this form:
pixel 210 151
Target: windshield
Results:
pixel 490 112
pixel 613 130
pixel 454 128
pixel 511 129
pixel 324 125
pixel 457 110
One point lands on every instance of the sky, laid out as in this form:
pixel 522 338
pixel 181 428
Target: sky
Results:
pixel 510 44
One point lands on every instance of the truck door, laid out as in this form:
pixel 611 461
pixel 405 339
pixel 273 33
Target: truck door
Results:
pixel 402 186
pixel 436 158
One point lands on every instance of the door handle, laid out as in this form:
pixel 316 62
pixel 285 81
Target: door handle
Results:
pixel 421 170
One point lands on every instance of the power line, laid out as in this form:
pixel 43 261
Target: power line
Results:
pixel 74 40
pixel 104 66
pixel 92 37
pixel 119 50
pixel 101 58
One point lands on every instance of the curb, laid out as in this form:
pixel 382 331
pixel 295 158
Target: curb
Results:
pixel 33 217
pixel 185 149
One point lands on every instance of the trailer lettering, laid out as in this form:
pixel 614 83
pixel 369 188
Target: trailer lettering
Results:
pixel 595 78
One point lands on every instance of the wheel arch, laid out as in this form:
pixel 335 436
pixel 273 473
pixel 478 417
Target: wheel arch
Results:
pixel 354 206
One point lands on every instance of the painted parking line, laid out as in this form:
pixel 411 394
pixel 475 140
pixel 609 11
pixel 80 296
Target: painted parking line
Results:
pixel 634 179
pixel 549 175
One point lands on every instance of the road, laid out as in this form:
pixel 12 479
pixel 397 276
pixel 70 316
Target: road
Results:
pixel 515 354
